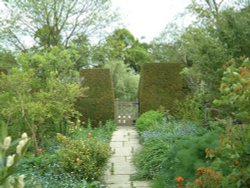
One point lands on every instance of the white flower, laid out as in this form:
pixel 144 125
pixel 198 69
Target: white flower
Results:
pixel 24 135
pixel 10 160
pixel 21 181
pixel 11 182
pixel 22 143
pixel 6 143
pixel 20 147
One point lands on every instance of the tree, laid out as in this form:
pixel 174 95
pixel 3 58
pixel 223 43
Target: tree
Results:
pixel 49 22
pixel 122 45
pixel 7 60
pixel 124 80
pixel 166 47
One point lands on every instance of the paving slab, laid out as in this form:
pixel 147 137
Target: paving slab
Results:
pixel 124 142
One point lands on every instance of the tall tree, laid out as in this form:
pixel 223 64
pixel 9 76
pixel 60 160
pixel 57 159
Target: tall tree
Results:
pixel 122 45
pixel 124 80
pixel 51 22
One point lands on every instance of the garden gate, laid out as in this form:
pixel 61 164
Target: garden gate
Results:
pixel 126 112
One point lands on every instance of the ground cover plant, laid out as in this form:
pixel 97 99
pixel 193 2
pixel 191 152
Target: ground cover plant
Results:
pixel 75 160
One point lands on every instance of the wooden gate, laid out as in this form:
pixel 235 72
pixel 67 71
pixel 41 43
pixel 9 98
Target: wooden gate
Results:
pixel 126 112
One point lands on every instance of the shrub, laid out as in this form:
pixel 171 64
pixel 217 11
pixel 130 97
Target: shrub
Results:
pixel 85 159
pixel 232 156
pixel 148 120
pixel 206 177
pixel 235 91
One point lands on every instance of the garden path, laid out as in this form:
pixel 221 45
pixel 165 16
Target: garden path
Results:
pixel 124 143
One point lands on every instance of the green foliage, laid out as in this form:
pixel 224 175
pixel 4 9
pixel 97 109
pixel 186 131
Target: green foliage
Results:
pixel 9 161
pixel 125 82
pixel 232 156
pixel 161 85
pixel 45 170
pixel 174 149
pixel 206 177
pixel 121 45
pixel 233 30
pixel 40 97
pixel 85 159
pixel 166 47
pixel 188 154
pixel 230 164
pixel 7 60
pixel 103 133
pixel 148 119
pixel 206 54
pixel 98 105
pixel 53 23
pixel 218 34
pixel 235 90
pixel 148 160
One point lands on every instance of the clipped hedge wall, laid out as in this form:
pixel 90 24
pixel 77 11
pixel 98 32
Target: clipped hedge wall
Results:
pixel 98 105
pixel 161 86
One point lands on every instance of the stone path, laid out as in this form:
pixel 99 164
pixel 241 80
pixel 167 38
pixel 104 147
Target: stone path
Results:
pixel 124 143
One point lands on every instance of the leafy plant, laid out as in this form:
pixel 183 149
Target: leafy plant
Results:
pixel 232 156
pixel 148 119
pixel 40 97
pixel 206 177
pixel 85 159
pixel 235 90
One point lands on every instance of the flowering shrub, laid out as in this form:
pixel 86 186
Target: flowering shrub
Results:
pixel 232 156
pixel 8 162
pixel 45 170
pixel 84 159
pixel 206 178
pixel 179 182
pixel 171 130
pixel 235 90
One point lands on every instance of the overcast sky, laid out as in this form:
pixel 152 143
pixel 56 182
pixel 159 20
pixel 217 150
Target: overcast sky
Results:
pixel 147 18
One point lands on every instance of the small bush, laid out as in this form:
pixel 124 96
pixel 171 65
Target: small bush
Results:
pixel 148 120
pixel 85 159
